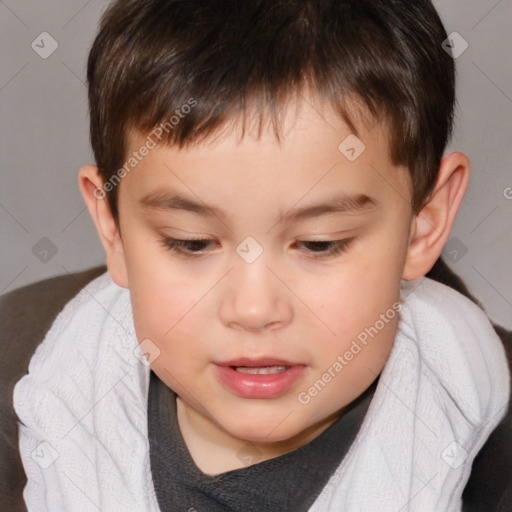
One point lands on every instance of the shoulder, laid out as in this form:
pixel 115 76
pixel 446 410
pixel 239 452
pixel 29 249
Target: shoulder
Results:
pixel 490 484
pixel 26 315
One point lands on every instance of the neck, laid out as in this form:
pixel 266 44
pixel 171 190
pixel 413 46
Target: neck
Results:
pixel 215 451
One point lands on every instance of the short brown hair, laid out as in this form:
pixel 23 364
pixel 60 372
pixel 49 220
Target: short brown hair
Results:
pixel 151 56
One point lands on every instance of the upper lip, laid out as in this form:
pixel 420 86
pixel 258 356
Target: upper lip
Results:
pixel 258 362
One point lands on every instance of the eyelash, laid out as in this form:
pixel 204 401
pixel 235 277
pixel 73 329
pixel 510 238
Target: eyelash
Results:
pixel 178 246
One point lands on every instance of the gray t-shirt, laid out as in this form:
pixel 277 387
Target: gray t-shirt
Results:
pixel 289 482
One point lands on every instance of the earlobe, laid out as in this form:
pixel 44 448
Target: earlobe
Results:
pixel 432 225
pixel 91 187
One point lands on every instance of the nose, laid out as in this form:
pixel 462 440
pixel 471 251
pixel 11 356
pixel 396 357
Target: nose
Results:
pixel 255 298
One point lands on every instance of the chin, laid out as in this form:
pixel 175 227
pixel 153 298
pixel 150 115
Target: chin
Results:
pixel 262 431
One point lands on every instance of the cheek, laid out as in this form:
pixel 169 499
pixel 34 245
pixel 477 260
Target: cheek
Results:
pixel 162 306
pixel 160 294
pixel 359 305
pixel 162 310
pixel 357 297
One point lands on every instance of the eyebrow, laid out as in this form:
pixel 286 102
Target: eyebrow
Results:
pixel 340 203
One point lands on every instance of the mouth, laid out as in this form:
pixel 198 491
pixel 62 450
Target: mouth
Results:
pixel 260 370
pixel 259 378
pixel 259 366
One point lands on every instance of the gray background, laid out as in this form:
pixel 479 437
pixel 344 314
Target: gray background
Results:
pixel 43 116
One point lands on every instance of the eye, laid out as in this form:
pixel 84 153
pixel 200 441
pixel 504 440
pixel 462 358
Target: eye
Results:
pixel 326 248
pixel 185 247
pixel 317 248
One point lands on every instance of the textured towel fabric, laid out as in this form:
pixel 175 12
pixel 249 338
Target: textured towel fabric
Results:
pixel 83 410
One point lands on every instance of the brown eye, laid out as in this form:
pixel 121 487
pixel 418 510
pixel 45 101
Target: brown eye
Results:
pixel 186 247
pixel 322 248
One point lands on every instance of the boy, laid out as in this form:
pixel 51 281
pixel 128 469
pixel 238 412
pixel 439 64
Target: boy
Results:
pixel 265 338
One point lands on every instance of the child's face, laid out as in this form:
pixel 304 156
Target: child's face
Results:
pixel 232 303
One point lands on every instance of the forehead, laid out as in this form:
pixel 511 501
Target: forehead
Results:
pixel 314 154
pixel 300 110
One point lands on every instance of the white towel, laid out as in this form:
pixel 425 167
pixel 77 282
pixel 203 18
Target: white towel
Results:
pixel 83 410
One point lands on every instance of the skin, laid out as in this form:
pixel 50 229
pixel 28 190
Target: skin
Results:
pixel 287 303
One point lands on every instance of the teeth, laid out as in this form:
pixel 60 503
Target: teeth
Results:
pixel 269 370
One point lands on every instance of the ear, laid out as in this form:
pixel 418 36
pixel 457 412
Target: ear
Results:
pixel 91 186
pixel 432 225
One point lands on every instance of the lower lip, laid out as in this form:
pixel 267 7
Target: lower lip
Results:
pixel 259 386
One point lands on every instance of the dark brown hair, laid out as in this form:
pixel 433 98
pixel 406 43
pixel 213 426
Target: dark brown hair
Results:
pixel 151 57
